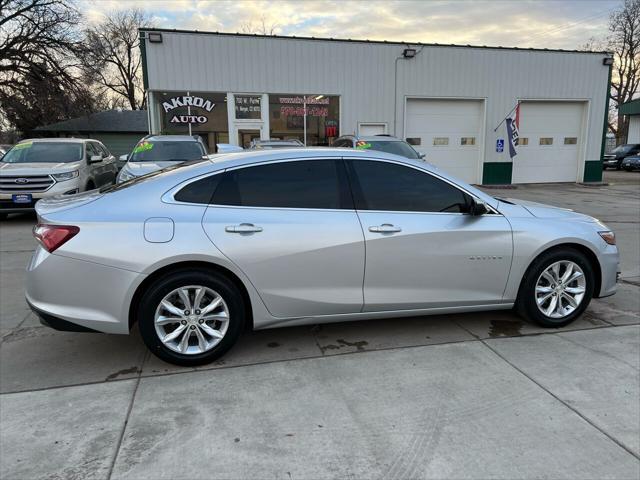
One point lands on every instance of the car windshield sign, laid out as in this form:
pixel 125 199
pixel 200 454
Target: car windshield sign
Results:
pixel 44 152
pixel 166 151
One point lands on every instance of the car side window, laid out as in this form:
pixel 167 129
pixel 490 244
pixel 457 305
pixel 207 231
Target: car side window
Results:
pixel 199 191
pixel 391 187
pixel 91 150
pixel 318 184
pixel 103 149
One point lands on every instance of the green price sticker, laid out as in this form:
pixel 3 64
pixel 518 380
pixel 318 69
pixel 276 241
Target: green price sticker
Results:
pixel 363 146
pixel 143 147
pixel 21 146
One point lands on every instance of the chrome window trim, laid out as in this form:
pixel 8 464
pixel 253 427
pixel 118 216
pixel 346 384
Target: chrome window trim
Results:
pixel 169 195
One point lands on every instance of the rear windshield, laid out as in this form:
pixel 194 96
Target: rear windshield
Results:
pixel 623 148
pixel 143 178
pixel 397 148
pixel 44 152
pixel 166 151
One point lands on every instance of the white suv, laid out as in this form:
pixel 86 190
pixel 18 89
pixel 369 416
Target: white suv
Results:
pixel 44 167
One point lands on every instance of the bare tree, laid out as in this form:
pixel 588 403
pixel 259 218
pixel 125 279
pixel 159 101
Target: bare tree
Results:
pixel 624 41
pixel 39 43
pixel 112 57
pixel 260 28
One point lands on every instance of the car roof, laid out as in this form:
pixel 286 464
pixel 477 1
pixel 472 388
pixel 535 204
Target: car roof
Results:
pixel 374 138
pixel 58 140
pixel 172 138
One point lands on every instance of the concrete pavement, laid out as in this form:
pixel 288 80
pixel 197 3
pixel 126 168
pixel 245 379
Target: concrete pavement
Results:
pixel 483 395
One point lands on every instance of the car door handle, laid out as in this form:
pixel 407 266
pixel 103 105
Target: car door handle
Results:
pixel 243 228
pixel 385 228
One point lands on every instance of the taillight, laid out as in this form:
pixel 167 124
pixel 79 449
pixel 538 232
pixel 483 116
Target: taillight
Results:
pixel 51 237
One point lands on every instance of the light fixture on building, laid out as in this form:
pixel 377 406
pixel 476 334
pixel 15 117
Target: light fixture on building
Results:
pixel 155 37
pixel 409 52
pixel 318 97
pixel 607 61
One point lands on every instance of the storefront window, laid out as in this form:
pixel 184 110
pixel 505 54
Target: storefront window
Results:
pixel 287 117
pixel 205 113
pixel 248 107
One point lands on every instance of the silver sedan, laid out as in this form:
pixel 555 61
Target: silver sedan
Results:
pixel 195 253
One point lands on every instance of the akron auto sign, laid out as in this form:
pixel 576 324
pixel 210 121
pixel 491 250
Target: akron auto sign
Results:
pixel 188 101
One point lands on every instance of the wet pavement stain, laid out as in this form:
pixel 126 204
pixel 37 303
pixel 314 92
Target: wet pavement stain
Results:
pixel 343 343
pixel 123 372
pixel 505 328
pixel 273 344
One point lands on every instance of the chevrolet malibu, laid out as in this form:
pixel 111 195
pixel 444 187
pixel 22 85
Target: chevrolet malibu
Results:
pixel 195 253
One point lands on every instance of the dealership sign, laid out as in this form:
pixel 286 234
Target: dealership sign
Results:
pixel 183 119
pixel 188 101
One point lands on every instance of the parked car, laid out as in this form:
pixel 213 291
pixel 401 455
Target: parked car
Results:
pixel 381 143
pixel 274 238
pixel 631 163
pixel 227 148
pixel 618 154
pixel 44 167
pixel 274 143
pixel 155 152
pixel 4 148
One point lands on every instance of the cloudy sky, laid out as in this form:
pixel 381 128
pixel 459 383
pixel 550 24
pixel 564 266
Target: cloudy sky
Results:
pixel 521 23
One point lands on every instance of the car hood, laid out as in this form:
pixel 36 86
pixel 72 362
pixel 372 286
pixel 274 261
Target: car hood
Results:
pixel 142 168
pixel 542 210
pixel 38 168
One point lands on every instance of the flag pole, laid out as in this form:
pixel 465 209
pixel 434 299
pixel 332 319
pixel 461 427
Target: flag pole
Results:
pixel 506 116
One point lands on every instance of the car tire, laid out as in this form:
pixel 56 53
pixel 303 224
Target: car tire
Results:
pixel 627 169
pixel 192 352
pixel 3 216
pixel 535 287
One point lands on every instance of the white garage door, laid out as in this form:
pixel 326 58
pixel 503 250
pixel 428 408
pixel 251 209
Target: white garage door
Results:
pixel 550 142
pixel 448 132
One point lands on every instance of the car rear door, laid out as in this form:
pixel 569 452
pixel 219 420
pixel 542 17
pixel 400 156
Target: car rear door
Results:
pixel 423 251
pixel 290 226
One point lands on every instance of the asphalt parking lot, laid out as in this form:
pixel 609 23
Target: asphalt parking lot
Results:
pixel 481 395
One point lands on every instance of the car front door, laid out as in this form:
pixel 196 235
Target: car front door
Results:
pixel 110 167
pixel 97 169
pixel 422 249
pixel 290 226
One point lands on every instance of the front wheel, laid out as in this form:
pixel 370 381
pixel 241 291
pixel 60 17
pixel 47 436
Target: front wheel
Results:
pixel 557 288
pixel 191 317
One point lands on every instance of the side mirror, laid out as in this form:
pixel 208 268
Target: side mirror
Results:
pixel 123 158
pixel 477 208
pixel 95 158
pixel 422 156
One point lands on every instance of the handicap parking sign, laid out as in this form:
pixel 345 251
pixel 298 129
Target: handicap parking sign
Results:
pixel 500 145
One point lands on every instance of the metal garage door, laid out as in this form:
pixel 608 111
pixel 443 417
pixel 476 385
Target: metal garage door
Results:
pixel 449 133
pixel 550 142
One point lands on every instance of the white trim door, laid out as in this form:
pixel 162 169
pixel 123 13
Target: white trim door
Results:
pixel 448 132
pixel 372 128
pixel 551 140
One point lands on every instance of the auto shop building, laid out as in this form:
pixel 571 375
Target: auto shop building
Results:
pixel 446 100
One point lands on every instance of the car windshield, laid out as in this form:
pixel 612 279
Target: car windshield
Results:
pixel 622 148
pixel 44 152
pixel 397 148
pixel 166 151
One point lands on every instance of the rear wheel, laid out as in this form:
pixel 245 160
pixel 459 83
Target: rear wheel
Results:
pixel 3 216
pixel 557 288
pixel 191 317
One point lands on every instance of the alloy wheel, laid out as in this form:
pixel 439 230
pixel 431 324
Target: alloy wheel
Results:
pixel 560 289
pixel 191 320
